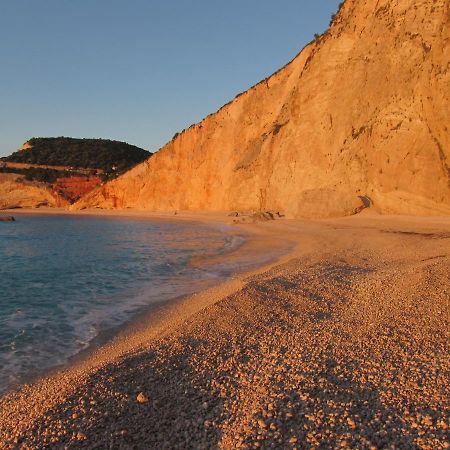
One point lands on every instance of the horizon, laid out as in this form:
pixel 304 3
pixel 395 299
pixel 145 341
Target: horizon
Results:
pixel 222 50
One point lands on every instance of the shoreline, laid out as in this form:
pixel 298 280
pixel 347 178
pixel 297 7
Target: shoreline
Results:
pixel 203 334
pixel 153 313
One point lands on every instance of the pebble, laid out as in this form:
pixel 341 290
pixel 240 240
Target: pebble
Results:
pixel 262 423
pixel 80 436
pixel 142 398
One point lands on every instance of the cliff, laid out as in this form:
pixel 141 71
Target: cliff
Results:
pixel 15 192
pixel 360 115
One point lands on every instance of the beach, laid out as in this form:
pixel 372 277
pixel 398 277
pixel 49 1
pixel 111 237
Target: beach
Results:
pixel 341 342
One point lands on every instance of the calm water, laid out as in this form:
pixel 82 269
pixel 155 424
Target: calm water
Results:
pixel 65 279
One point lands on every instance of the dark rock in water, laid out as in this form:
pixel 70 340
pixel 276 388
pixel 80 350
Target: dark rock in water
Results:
pixel 7 219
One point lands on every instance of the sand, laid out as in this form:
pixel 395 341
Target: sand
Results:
pixel 342 343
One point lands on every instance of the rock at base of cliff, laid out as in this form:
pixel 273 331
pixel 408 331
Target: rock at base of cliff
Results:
pixel 323 203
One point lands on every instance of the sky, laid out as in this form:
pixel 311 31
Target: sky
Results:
pixel 138 70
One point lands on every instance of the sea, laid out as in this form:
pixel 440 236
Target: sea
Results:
pixel 66 279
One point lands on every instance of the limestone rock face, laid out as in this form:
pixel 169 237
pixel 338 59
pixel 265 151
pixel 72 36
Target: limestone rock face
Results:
pixel 17 193
pixel 362 111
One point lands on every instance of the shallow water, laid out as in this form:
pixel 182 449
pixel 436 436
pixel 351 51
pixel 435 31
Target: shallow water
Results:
pixel 65 279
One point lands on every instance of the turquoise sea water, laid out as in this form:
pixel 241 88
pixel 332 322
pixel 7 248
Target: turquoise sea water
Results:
pixel 65 279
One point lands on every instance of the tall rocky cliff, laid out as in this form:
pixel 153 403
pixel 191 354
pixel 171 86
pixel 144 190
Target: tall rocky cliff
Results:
pixel 361 112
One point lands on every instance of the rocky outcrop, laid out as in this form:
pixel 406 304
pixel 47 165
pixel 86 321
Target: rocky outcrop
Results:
pixel 72 188
pixel 18 193
pixel 361 113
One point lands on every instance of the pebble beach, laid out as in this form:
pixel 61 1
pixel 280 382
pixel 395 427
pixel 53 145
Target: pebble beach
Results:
pixel 343 343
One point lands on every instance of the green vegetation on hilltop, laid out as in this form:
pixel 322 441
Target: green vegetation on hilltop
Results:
pixel 41 175
pixel 112 157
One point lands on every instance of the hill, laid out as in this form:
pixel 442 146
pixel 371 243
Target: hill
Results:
pixel 100 154
pixel 57 171
pixel 359 116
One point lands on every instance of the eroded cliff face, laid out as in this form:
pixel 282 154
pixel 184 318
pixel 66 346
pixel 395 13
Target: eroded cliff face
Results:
pixel 362 111
pixel 15 192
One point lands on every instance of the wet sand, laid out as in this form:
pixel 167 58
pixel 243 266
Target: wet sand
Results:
pixel 342 343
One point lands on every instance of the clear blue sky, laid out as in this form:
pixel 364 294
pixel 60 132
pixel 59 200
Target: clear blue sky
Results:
pixel 138 70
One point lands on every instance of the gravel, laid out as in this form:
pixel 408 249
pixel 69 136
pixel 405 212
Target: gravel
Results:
pixel 346 346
